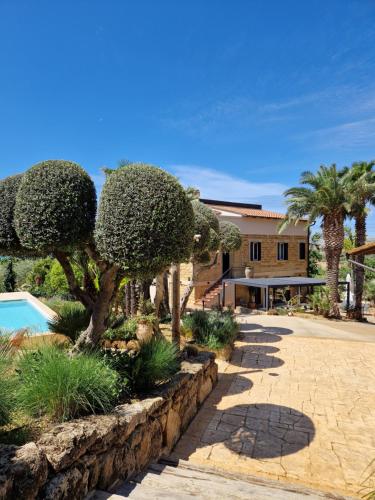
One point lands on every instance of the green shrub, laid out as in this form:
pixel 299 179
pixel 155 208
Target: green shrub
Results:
pixel 71 320
pixel 7 382
pixel 146 307
pixel 213 329
pixel 230 236
pixel 319 301
pixel 156 362
pixel 9 277
pixel 127 331
pixel 145 220
pixel 55 206
pixel 9 241
pixel 62 387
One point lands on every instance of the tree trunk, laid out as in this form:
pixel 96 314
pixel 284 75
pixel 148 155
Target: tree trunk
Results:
pixel 359 272
pixel 84 296
pixel 165 301
pixel 133 298
pixel 185 296
pixel 127 300
pixel 159 292
pixel 333 233
pixel 90 338
pixel 175 274
pixel 146 289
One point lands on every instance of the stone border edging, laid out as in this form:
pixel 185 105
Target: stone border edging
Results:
pixel 79 456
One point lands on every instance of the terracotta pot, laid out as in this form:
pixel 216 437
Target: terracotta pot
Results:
pixel 144 331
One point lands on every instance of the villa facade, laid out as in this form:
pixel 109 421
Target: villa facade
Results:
pixel 265 252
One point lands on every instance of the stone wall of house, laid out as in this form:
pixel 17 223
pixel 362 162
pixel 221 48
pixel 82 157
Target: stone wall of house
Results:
pixel 268 267
pixel 79 456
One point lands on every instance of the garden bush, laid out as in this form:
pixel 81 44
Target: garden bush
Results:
pixel 7 382
pixel 126 331
pixel 156 362
pixel 62 387
pixel 9 241
pixel 71 320
pixel 319 301
pixel 213 329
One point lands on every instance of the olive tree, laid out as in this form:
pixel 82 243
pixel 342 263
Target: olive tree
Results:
pixel 210 237
pixel 144 222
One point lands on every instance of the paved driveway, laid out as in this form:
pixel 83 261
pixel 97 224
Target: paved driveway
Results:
pixel 296 403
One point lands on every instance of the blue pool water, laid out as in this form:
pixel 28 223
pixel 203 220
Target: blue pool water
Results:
pixel 18 314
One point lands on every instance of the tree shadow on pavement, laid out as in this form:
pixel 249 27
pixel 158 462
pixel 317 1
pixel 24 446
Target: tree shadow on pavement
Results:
pixel 261 430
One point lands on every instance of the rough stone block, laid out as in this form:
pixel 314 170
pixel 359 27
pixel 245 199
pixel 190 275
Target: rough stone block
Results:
pixel 23 471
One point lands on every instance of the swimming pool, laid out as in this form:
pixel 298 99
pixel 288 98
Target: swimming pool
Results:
pixel 21 313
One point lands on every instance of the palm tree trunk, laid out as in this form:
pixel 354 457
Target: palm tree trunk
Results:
pixel 333 234
pixel 359 272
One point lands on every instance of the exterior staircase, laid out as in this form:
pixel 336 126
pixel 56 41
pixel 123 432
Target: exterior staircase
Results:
pixel 184 482
pixel 211 297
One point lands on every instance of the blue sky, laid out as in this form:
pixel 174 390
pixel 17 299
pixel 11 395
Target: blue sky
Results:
pixel 235 97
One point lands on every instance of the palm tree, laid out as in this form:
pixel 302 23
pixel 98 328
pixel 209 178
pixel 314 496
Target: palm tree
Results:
pixel 325 198
pixel 361 181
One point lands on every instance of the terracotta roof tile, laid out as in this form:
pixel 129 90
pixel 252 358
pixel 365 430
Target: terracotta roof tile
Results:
pixel 248 212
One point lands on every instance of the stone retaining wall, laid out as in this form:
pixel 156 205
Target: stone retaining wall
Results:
pixel 93 452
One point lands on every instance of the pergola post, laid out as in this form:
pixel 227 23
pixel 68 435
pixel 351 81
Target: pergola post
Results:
pixel 267 297
pixel 347 295
pixel 223 296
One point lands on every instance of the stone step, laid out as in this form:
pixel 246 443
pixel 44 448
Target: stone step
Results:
pixel 185 482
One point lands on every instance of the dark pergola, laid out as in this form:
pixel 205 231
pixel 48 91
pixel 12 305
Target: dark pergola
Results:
pixel 273 283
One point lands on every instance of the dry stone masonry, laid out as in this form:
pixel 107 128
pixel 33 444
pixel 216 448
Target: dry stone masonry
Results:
pixel 76 457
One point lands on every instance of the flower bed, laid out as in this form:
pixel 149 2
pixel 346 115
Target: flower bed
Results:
pixel 75 457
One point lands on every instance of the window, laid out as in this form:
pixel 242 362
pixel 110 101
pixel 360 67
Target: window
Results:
pixel 282 251
pixel 255 250
pixel 302 250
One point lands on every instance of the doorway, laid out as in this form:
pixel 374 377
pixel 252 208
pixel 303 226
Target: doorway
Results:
pixel 226 262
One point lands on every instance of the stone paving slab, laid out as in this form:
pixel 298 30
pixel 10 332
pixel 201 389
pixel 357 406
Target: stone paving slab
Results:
pixel 296 409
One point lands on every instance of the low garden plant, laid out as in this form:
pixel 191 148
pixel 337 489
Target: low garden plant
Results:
pixel 214 329
pixel 156 362
pixel 7 383
pixel 319 301
pixel 61 387
pixel 126 331
pixel 70 321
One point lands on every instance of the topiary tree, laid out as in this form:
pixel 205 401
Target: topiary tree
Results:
pixel 144 222
pixel 211 236
pixel 9 241
pixel 9 277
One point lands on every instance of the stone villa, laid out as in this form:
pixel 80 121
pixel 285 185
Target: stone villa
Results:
pixel 264 252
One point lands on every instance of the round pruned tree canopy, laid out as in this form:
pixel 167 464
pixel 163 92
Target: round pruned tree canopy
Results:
pixel 55 206
pixel 208 214
pixel 145 220
pixel 230 236
pixel 9 241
